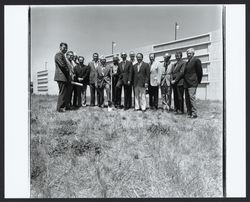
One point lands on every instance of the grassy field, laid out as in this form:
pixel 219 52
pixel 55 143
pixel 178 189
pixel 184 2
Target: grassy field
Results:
pixel 94 153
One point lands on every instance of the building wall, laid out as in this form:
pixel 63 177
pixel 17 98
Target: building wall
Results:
pixel 208 48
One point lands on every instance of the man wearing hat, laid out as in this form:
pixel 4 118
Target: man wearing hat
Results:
pixel 114 69
pixel 125 76
pixel 166 87
pixel 103 81
pixel 93 65
pixel 192 75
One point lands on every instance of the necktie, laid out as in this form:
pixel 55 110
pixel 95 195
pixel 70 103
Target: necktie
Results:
pixel 138 67
pixel 123 65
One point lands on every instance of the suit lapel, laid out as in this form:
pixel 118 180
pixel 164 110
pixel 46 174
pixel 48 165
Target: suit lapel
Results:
pixel 142 64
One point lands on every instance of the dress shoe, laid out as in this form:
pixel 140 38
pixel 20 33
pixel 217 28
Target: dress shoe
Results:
pixel 194 116
pixel 61 110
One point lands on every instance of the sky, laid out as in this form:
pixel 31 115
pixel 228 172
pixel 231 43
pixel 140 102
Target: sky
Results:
pixel 89 29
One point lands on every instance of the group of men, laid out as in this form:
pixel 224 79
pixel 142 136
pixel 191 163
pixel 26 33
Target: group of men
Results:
pixel 131 75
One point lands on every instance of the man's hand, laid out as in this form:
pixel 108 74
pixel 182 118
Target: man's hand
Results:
pixel 80 79
pixel 146 85
pixel 173 82
pixel 128 82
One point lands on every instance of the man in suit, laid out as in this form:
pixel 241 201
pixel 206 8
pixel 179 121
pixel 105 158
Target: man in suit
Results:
pixel 140 80
pixel 62 77
pixel 75 59
pixel 178 88
pixel 166 87
pixel 155 79
pixel 69 59
pixel 103 81
pixel 81 75
pixel 133 60
pixel 192 75
pixel 125 76
pixel 93 65
pixel 115 77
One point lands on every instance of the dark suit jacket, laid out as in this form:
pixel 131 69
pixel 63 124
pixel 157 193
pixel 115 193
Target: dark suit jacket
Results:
pixel 177 70
pixel 81 72
pixel 126 74
pixel 103 76
pixel 62 70
pixel 192 73
pixel 141 77
pixel 92 72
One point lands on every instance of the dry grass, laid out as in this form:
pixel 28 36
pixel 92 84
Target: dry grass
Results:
pixel 94 153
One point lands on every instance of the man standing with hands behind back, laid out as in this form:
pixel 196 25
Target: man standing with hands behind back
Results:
pixel 62 77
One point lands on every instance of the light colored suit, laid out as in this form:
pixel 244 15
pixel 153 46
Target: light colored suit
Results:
pixel 155 73
pixel 166 87
pixel 103 81
pixel 166 74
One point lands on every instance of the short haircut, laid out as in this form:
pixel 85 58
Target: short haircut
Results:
pixel 178 53
pixel 95 54
pixel 63 44
pixel 132 53
pixel 80 57
pixel 139 54
pixel 69 52
pixel 191 50
pixel 151 54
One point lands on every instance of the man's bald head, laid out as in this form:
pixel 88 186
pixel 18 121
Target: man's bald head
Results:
pixel 123 55
pixel 167 57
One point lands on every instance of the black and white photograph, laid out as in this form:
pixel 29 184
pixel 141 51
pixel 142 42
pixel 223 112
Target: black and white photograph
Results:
pixel 127 101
